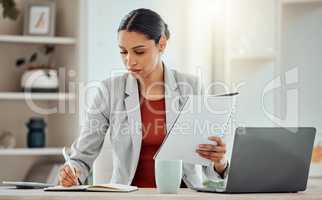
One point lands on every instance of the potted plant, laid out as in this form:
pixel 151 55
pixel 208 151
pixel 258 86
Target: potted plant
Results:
pixel 9 9
pixel 10 18
pixel 39 74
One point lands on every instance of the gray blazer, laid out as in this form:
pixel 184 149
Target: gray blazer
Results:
pixel 116 110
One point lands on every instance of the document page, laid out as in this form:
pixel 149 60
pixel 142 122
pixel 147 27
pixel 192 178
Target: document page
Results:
pixel 200 117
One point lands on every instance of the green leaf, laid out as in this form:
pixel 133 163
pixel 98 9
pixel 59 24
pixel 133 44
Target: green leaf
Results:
pixel 9 9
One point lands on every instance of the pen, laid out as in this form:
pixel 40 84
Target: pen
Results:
pixel 229 94
pixel 67 159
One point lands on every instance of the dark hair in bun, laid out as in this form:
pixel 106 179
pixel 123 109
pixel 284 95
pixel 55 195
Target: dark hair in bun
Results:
pixel 147 22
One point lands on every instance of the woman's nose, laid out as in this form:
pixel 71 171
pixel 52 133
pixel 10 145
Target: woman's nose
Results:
pixel 130 61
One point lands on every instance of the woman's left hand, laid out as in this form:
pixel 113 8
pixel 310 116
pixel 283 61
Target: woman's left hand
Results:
pixel 215 152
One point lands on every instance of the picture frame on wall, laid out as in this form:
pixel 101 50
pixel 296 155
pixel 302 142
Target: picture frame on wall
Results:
pixel 39 18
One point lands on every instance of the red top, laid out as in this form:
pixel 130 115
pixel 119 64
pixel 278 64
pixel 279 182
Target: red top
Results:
pixel 153 132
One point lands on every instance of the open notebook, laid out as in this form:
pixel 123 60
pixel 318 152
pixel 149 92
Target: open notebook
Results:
pixel 95 188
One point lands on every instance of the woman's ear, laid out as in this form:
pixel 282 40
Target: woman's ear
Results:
pixel 162 43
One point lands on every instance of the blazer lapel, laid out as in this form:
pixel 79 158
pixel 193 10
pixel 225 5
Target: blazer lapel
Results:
pixel 132 104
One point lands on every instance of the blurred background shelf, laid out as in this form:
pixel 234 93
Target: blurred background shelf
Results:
pixel 300 1
pixel 31 152
pixel 37 40
pixel 36 96
pixel 59 110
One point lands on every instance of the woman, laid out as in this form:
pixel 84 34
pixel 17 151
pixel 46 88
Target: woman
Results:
pixel 137 108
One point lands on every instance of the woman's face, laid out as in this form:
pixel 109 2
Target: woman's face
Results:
pixel 140 55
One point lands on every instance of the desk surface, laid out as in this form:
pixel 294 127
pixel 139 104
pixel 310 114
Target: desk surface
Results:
pixel 314 191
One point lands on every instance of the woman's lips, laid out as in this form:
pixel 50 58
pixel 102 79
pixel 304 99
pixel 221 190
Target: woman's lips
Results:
pixel 135 70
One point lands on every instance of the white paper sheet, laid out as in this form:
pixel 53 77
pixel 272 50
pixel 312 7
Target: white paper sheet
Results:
pixel 201 117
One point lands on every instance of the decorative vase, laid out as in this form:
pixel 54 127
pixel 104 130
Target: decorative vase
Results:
pixel 7 140
pixel 36 133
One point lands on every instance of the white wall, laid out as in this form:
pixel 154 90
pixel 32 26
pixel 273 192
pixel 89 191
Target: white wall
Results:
pixel 104 18
pixel 301 51
pixel 301 55
pixel 189 21
pixel 245 37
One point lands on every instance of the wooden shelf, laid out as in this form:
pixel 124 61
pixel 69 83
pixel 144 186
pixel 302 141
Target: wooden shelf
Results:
pixel 31 152
pixel 36 96
pixel 37 39
pixel 300 1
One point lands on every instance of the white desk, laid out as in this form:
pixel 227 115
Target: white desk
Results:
pixel 314 191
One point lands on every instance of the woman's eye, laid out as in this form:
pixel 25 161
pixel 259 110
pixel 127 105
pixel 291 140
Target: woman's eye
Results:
pixel 123 52
pixel 139 53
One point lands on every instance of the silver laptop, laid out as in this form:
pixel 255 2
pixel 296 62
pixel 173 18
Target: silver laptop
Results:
pixel 268 160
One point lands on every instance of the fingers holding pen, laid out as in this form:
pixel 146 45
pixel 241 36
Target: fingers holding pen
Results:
pixel 67 177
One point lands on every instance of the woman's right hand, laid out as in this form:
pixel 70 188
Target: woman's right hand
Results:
pixel 66 176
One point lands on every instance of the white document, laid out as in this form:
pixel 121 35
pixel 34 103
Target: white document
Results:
pixel 199 118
